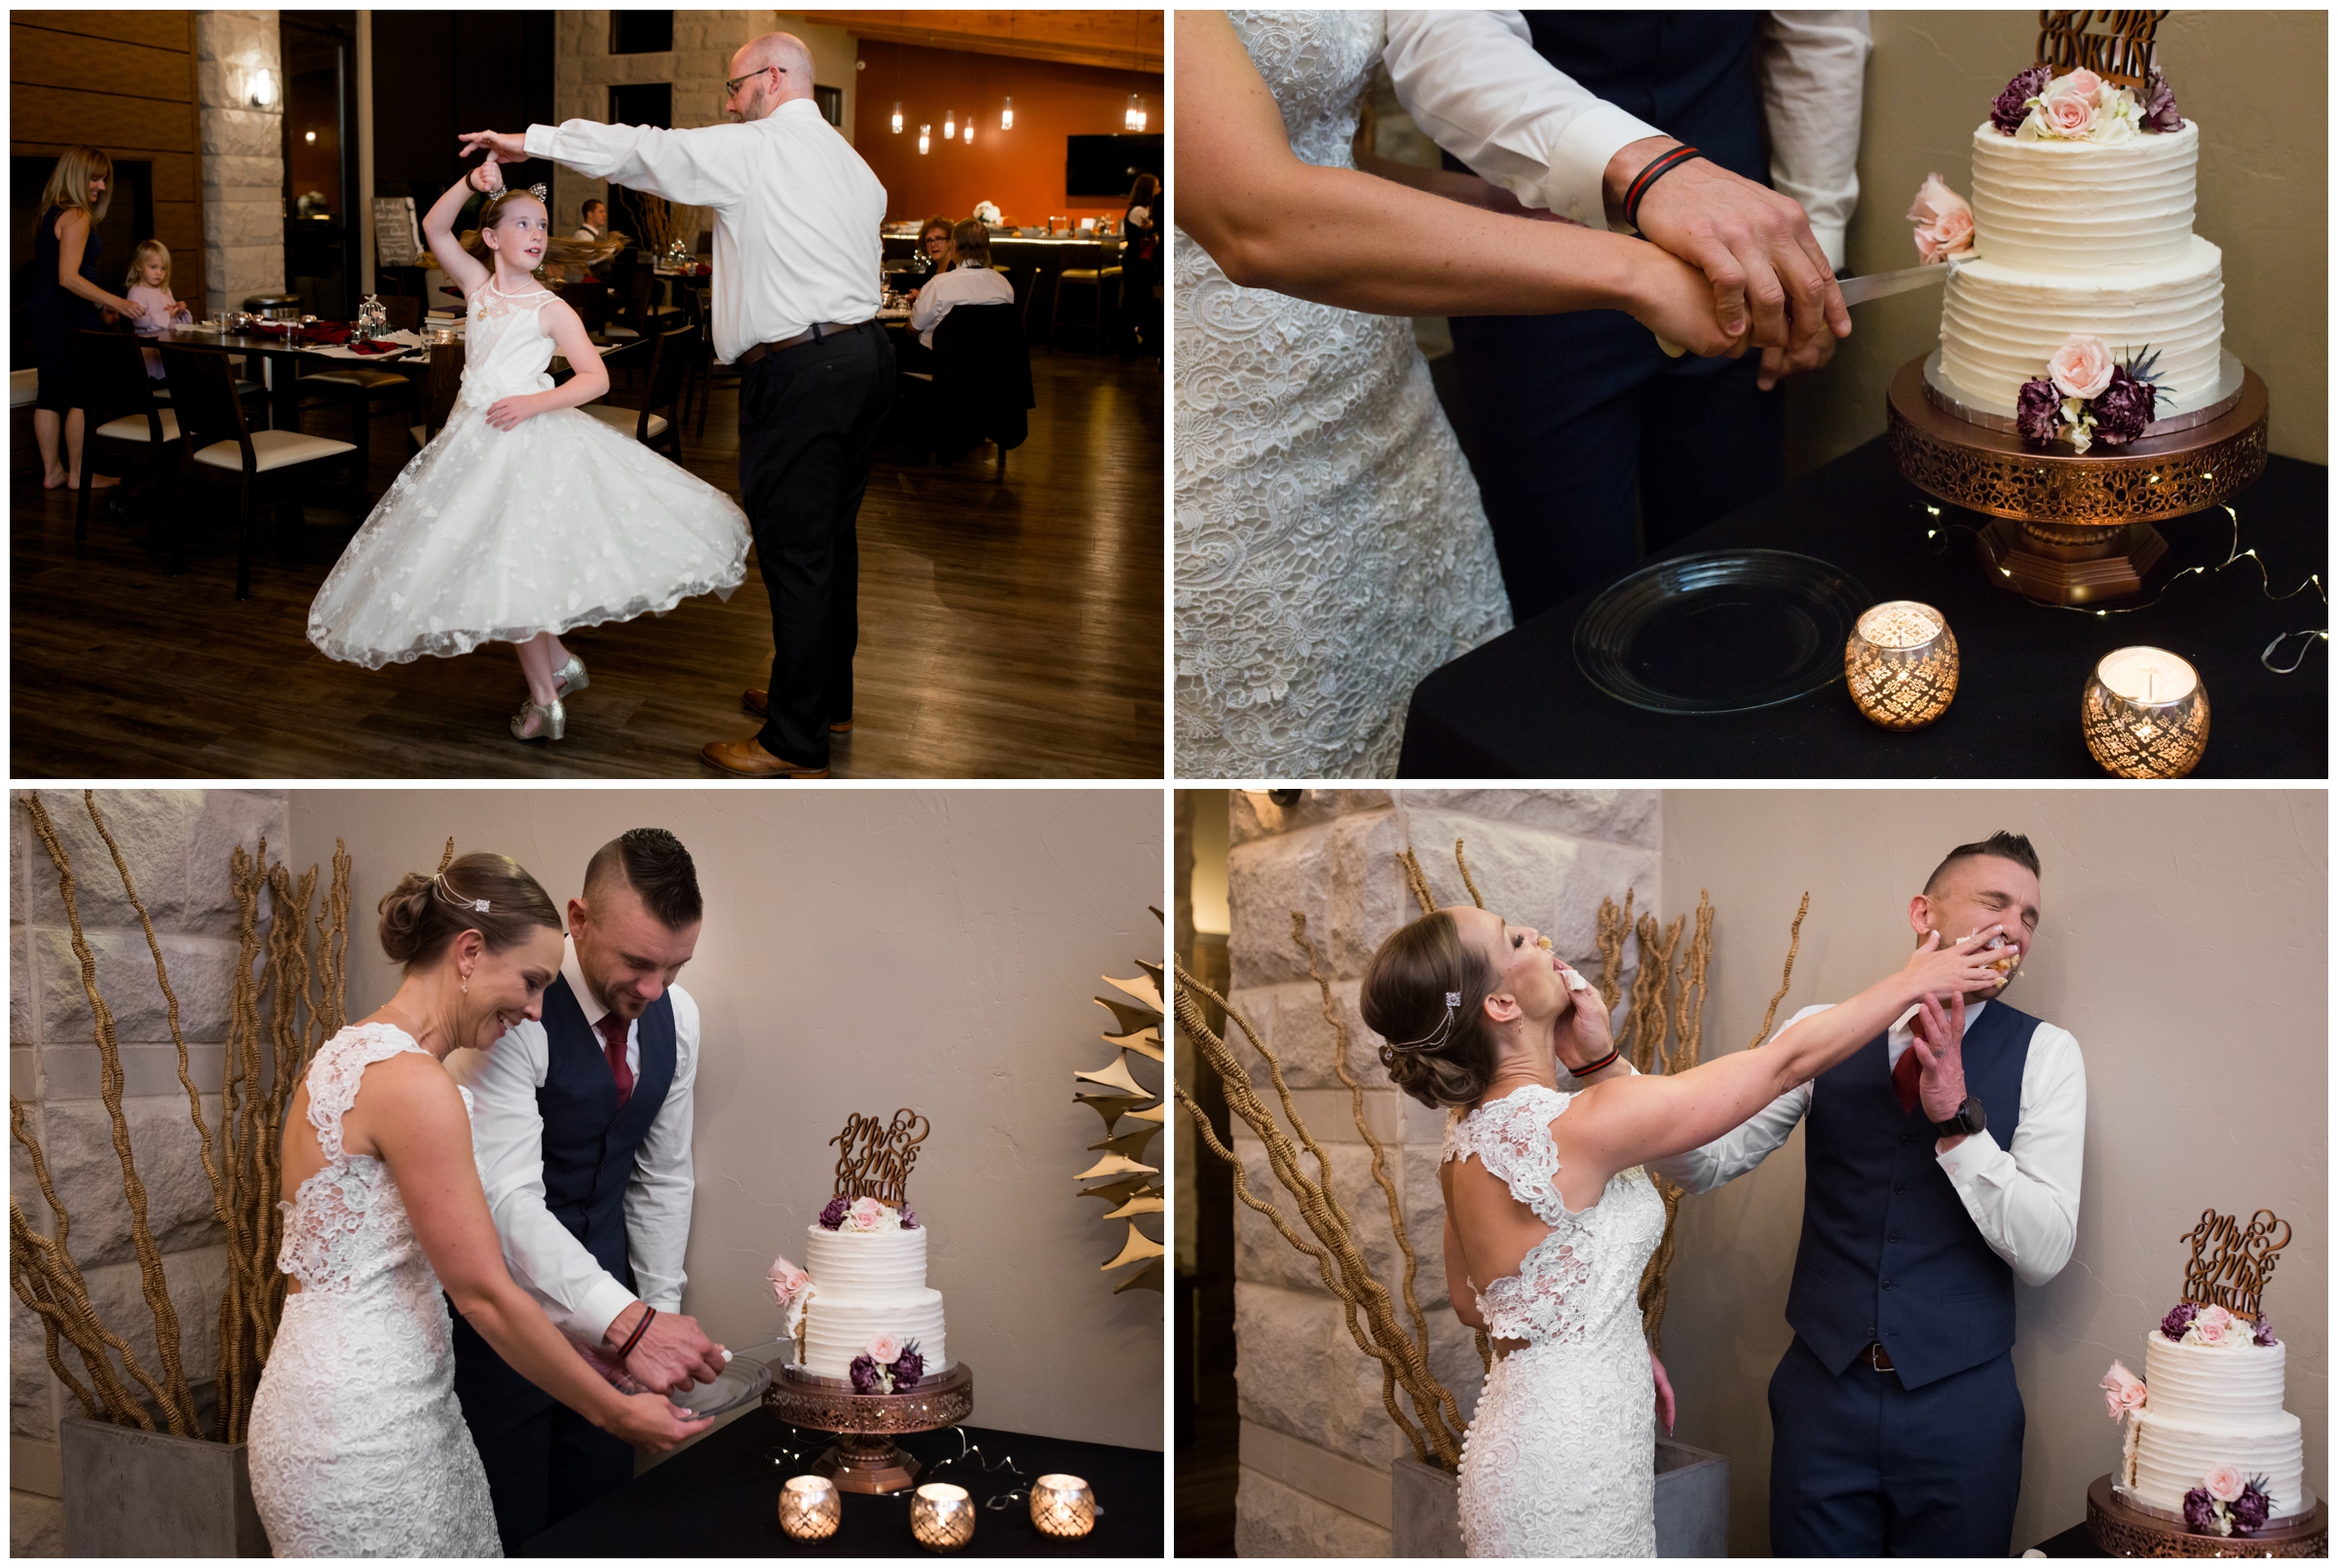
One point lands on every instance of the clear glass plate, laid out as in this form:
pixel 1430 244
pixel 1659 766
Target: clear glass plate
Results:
pixel 1721 632
pixel 743 1383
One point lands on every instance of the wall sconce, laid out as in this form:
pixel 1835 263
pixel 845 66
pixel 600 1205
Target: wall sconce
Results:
pixel 1006 116
pixel 949 124
pixel 897 119
pixel 969 131
pixel 1134 119
pixel 262 89
pixel 310 137
pixel 924 138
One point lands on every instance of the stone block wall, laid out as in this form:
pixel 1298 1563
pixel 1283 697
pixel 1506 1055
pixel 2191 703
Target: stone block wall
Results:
pixel 243 158
pixel 1316 1440
pixel 177 844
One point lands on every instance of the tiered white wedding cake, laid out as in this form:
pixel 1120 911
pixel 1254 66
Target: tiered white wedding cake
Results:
pixel 2214 1399
pixel 862 1296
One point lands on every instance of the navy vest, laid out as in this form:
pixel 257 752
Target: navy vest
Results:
pixel 1888 1252
pixel 589 1142
pixel 1689 73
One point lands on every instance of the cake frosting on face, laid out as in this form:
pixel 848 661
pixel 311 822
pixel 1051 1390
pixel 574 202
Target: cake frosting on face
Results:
pixel 867 1283
pixel 2080 237
pixel 2212 1406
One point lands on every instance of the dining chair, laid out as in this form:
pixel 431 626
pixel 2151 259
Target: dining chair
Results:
pixel 658 423
pixel 358 387
pixel 126 428
pixel 1096 279
pixel 403 312
pixel 266 468
pixel 441 385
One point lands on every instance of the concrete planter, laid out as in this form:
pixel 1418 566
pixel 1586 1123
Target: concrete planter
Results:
pixel 147 1494
pixel 1692 1505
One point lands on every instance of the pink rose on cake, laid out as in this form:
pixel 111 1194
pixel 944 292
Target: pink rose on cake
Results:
pixel 2215 1326
pixel 787 1281
pixel 2224 1483
pixel 2081 367
pixel 2123 1391
pixel 885 1350
pixel 1943 221
pixel 866 1214
pixel 2081 107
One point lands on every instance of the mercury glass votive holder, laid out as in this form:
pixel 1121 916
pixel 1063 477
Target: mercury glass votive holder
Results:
pixel 811 1508
pixel 1901 664
pixel 2145 714
pixel 941 1516
pixel 1063 1507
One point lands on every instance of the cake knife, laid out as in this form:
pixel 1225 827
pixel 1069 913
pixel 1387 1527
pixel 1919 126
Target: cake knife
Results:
pixel 1859 290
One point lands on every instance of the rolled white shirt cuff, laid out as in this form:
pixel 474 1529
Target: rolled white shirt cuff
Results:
pixel 1979 1158
pixel 540 145
pixel 1577 185
pixel 1831 239
pixel 601 1305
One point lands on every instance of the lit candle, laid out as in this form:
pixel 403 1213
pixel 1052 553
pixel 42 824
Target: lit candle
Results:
pixel 809 1508
pixel 941 1516
pixel 1900 663
pixel 1062 1506
pixel 2145 714
pixel 2150 676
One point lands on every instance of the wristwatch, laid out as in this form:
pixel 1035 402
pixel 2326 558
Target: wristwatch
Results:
pixel 1969 1118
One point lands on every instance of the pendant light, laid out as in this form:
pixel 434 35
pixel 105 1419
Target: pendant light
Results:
pixel 896 117
pixel 949 124
pixel 1006 116
pixel 969 131
pixel 924 139
pixel 1135 118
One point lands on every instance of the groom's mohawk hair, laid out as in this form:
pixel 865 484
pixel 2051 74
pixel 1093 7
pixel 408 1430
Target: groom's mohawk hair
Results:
pixel 2012 846
pixel 654 864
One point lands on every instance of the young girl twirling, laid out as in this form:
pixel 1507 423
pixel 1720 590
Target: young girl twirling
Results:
pixel 524 517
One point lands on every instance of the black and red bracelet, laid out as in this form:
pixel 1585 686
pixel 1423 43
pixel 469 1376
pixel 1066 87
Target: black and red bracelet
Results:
pixel 647 1312
pixel 1663 164
pixel 1586 1072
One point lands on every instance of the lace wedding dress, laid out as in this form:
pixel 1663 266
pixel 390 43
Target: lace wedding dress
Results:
pixel 1561 1461
pixel 359 1448
pixel 1330 546
pixel 493 536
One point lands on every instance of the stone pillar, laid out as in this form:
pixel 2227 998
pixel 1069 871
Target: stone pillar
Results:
pixel 1316 1440
pixel 243 157
pixel 177 844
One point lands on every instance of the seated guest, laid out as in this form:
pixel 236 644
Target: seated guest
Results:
pixel 933 246
pixel 149 285
pixel 596 226
pixel 970 281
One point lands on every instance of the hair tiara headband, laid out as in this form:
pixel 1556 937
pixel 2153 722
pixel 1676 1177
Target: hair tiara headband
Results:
pixel 1430 1041
pixel 440 885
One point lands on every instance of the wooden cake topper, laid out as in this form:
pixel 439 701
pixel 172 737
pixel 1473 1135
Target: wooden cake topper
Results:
pixel 874 1157
pixel 2233 1274
pixel 2121 54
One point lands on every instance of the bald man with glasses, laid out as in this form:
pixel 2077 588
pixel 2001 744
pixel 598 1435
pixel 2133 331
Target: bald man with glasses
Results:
pixel 798 266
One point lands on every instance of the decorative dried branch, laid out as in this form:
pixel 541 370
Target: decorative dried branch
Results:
pixel 1645 1029
pixel 1608 934
pixel 1787 979
pixel 1467 881
pixel 1416 881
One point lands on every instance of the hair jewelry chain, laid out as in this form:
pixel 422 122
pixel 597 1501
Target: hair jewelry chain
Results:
pixel 1430 1041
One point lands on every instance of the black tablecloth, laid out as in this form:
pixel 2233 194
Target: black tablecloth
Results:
pixel 1519 708
pixel 2071 1542
pixel 720 1498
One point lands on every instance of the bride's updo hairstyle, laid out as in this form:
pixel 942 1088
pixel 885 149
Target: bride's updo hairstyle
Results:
pixel 490 894
pixel 1441 1053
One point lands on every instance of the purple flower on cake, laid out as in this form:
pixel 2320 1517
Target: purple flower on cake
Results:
pixel 2123 1391
pixel 2202 1516
pixel 787 1281
pixel 833 1216
pixel 2013 105
pixel 1943 221
pixel 909 1217
pixel 2252 1508
pixel 2158 103
pixel 866 1378
pixel 2038 412
pixel 2082 366
pixel 2178 1319
pixel 2223 1483
pixel 909 1365
pixel 2123 409
pixel 2264 1334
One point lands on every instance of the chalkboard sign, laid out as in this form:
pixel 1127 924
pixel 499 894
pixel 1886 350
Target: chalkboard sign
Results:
pixel 397 236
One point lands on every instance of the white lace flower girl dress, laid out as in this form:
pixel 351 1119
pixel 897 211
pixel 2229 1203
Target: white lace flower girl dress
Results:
pixel 359 1448
pixel 493 536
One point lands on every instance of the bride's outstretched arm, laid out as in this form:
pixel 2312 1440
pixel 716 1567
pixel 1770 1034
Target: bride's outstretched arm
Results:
pixel 1630 1121
pixel 1347 238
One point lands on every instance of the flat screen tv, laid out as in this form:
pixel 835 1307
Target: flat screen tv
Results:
pixel 1108 165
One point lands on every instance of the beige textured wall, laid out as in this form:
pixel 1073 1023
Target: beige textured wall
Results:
pixel 2184 943
pixel 2257 82
pixel 863 951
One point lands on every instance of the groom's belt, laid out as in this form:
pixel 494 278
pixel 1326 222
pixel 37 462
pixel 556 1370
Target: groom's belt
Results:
pixel 810 334
pixel 1876 1357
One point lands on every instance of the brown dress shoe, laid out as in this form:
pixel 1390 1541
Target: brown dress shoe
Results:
pixel 747 758
pixel 755 700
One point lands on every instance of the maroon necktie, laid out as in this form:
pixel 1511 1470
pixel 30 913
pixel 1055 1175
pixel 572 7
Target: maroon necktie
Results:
pixel 1906 1072
pixel 613 1030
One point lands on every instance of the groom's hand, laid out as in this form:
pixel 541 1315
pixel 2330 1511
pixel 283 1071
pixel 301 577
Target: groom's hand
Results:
pixel 1769 271
pixel 671 1356
pixel 1939 1046
pixel 508 146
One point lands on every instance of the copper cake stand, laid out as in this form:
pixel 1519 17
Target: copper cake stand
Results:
pixel 865 1457
pixel 2070 529
pixel 2125 1531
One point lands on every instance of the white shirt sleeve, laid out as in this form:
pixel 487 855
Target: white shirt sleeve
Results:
pixel 507 1131
pixel 1813 72
pixel 1472 83
pixel 2025 1200
pixel 658 1199
pixel 1734 1153
pixel 705 165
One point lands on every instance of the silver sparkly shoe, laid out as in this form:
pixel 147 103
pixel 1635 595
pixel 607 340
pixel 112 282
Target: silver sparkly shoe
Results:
pixel 553 726
pixel 570 677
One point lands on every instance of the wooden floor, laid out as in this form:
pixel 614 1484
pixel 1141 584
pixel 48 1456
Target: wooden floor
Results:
pixel 1008 631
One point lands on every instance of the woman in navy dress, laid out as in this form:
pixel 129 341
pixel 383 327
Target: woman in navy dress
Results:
pixel 65 297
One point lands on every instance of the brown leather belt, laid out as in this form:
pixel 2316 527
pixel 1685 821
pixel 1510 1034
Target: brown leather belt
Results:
pixel 810 334
pixel 1875 1356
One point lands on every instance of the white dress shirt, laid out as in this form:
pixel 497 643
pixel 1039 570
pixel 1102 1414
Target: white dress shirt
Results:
pixel 969 282
pixel 588 234
pixel 797 214
pixel 2022 1200
pixel 576 1293
pixel 1472 83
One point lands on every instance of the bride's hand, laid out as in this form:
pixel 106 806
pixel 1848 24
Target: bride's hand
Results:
pixel 1664 1394
pixel 1938 969
pixel 1584 1035
pixel 511 413
pixel 650 1423
pixel 1675 301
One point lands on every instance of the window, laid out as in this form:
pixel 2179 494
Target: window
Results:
pixel 641 32
pixel 831 100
